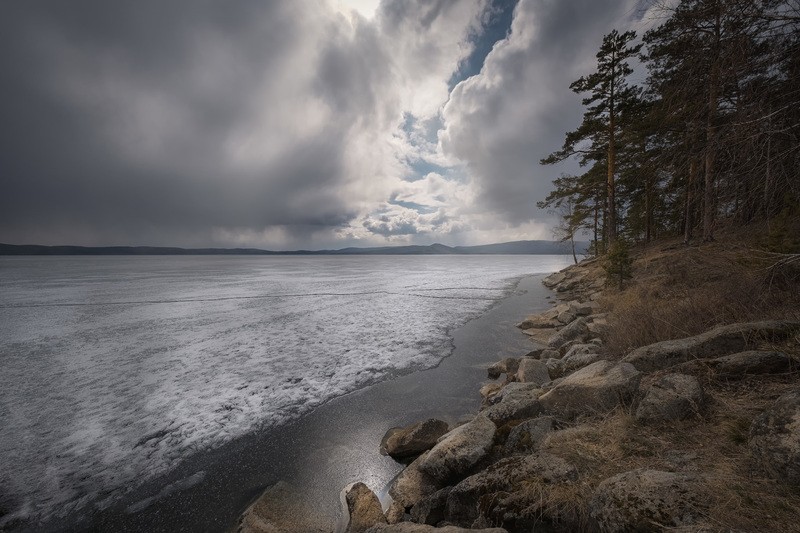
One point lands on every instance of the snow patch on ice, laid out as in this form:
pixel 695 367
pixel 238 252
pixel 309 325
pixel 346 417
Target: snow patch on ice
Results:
pixel 113 370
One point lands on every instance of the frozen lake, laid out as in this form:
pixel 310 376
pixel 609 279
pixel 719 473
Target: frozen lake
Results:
pixel 113 369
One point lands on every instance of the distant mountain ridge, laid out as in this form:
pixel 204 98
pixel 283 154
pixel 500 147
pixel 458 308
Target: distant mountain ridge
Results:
pixel 516 247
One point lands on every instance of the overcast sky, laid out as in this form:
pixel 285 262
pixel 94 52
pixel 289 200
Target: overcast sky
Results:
pixel 288 124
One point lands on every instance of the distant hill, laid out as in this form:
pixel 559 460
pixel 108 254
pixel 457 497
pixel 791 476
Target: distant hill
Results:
pixel 516 247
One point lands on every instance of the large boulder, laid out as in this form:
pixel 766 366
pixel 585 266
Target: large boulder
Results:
pixel 723 340
pixel 775 439
pixel 671 397
pixel 751 362
pixel 489 392
pixel 580 349
pixel 395 513
pixel 528 435
pixel 516 402
pixel 459 450
pixel 509 491
pixel 582 309
pixel 565 317
pixel 410 527
pixel 577 361
pixel 532 371
pixel 414 439
pixel 576 330
pixel 646 500
pixel 281 509
pixel 597 327
pixel 554 279
pixel 431 510
pixel 549 353
pixel 516 390
pixel 364 509
pixel 508 366
pixel 555 367
pixel 595 389
pixel 412 485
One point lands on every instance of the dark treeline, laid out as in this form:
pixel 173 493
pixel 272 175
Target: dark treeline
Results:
pixel 713 135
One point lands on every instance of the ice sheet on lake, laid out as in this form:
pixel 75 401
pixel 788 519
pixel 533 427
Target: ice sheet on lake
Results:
pixel 114 369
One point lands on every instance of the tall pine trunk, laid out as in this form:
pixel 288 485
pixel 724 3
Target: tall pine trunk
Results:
pixel 612 158
pixel 709 205
pixel 648 209
pixel 689 208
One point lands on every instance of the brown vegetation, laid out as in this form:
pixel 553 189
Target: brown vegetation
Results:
pixel 678 291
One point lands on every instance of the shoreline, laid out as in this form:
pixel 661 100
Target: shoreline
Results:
pixel 577 434
pixel 347 428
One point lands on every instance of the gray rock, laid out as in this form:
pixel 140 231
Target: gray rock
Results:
pixel 567 285
pixel 554 279
pixel 535 353
pixel 597 327
pixel 752 362
pixel 775 439
pixel 395 513
pixel 532 371
pixel 414 439
pixel 511 476
pixel 723 340
pixel 549 353
pixel 430 510
pixel 528 435
pixel 410 527
pixel 412 485
pixel 515 404
pixel 577 361
pixel 459 450
pixel 595 389
pixel 582 309
pixel 551 385
pixel 645 500
pixel 575 330
pixel 555 367
pixel 489 391
pixel 672 397
pixel 516 390
pixel 567 316
pixel 509 365
pixel 580 349
pixel 364 509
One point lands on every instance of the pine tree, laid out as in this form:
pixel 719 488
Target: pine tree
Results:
pixel 701 60
pixel 610 97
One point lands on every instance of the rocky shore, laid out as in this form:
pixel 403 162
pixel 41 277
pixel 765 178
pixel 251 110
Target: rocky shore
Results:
pixel 574 437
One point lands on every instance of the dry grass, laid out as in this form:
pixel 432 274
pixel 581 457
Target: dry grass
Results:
pixel 679 291
pixel 713 447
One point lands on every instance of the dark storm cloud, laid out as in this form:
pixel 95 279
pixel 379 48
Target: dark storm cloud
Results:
pixel 121 116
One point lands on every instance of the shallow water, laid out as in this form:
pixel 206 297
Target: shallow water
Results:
pixel 114 369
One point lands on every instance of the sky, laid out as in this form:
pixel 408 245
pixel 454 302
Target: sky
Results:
pixel 289 124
